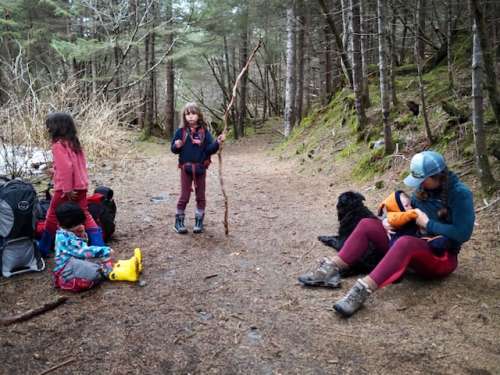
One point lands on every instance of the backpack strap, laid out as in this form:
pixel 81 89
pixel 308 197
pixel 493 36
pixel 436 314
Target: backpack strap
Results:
pixel 184 135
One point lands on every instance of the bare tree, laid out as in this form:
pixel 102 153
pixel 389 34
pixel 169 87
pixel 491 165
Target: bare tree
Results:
pixel 420 29
pixel 338 41
pixel 384 95
pixel 364 50
pixel 357 74
pixel 392 56
pixel 418 62
pixel 483 166
pixel 489 61
pixel 290 68
pixel 169 76
pixel 243 56
pixel 300 61
pixel 449 40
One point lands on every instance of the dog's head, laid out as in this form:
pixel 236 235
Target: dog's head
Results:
pixel 348 201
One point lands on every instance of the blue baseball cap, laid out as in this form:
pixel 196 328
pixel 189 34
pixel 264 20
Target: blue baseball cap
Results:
pixel 423 165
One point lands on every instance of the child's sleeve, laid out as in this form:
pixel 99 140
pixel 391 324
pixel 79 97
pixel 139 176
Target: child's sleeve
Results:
pixel 212 146
pixel 399 219
pixel 78 248
pixel 63 166
pixel 177 136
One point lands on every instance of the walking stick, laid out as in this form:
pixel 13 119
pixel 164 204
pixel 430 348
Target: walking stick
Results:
pixel 226 113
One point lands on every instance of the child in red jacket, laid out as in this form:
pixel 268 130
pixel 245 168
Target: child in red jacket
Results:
pixel 70 179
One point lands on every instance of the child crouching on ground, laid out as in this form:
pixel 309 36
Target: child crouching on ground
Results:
pixel 79 266
pixel 398 214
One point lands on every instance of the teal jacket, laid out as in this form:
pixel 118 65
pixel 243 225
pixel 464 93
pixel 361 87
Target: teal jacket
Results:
pixel 460 223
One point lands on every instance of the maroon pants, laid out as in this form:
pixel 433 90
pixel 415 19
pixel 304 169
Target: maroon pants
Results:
pixel 199 187
pixel 407 251
pixel 57 199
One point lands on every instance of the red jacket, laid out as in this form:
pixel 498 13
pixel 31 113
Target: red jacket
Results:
pixel 70 168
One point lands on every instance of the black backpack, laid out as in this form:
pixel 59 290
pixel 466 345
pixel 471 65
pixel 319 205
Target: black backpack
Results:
pixel 18 205
pixel 102 207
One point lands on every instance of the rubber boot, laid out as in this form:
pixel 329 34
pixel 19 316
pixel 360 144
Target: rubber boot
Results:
pixel 129 269
pixel 179 226
pixel 46 244
pixel 198 223
pixel 95 237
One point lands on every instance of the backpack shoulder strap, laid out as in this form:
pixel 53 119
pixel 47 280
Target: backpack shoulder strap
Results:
pixel 202 134
pixel 184 134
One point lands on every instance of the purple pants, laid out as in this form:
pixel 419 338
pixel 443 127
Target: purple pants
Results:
pixel 187 180
pixel 407 251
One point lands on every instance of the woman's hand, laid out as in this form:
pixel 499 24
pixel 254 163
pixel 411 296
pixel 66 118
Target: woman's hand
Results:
pixel 422 218
pixel 221 138
pixel 178 143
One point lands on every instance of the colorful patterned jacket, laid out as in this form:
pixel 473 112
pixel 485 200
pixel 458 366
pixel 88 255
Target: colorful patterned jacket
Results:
pixel 68 245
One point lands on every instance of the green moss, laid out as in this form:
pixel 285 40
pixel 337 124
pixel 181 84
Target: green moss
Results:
pixel 370 164
pixel 348 151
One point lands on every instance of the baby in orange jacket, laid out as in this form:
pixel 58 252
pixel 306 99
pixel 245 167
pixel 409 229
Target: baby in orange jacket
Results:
pixel 398 212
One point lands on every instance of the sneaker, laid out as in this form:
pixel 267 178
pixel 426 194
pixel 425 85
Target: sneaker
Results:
pixel 198 223
pixel 353 300
pixel 327 274
pixel 179 226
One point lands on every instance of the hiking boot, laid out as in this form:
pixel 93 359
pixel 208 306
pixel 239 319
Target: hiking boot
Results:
pixel 198 223
pixel 327 274
pixel 353 300
pixel 179 226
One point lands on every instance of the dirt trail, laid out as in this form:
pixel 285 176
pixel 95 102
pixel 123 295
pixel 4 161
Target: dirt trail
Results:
pixel 232 305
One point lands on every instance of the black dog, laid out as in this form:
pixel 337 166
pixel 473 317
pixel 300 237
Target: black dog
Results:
pixel 350 211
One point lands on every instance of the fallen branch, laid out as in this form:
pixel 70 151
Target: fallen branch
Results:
pixel 488 205
pixel 58 366
pixel 32 313
pixel 226 114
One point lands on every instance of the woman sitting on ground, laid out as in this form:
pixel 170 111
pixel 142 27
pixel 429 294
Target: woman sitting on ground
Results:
pixel 444 206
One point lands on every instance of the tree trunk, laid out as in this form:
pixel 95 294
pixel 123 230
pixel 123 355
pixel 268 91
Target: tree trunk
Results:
pixel 242 106
pixel 133 21
pixel 482 163
pixel 420 80
pixel 147 92
pixel 384 95
pixel 338 41
pixel 448 41
pixel 290 69
pixel 364 51
pixel 307 62
pixel 347 28
pixel 402 53
pixel 300 62
pixel 169 75
pixel 393 56
pixel 327 68
pixel 357 75
pixel 420 30
pixel 229 81
pixel 488 57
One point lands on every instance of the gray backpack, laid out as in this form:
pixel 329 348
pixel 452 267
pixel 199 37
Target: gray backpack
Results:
pixel 18 204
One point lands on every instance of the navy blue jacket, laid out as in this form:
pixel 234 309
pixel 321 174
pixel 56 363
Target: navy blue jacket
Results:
pixel 460 223
pixel 193 153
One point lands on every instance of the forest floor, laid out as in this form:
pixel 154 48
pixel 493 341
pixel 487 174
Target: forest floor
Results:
pixel 223 305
